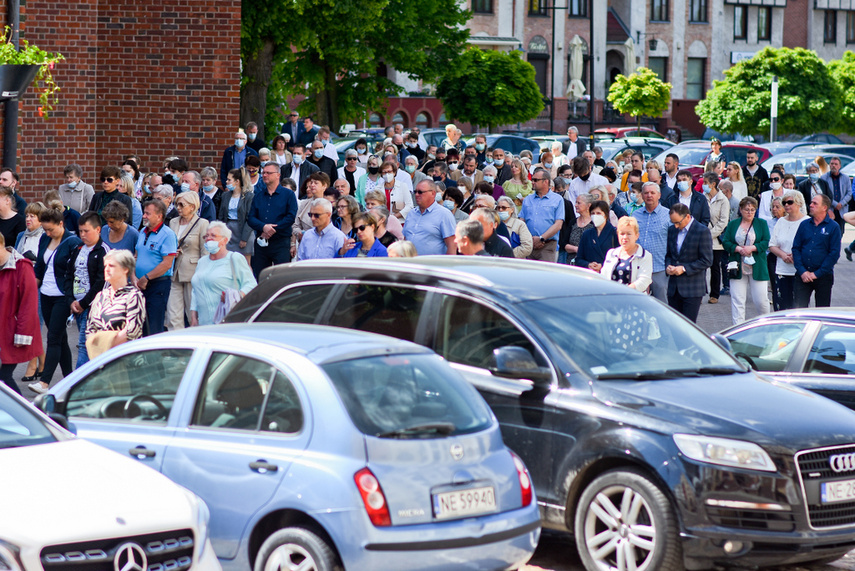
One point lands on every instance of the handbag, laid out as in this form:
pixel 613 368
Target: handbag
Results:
pixel 100 342
pixel 733 266
pixel 230 297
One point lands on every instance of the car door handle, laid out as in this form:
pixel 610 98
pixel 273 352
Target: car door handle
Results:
pixel 141 452
pixel 262 466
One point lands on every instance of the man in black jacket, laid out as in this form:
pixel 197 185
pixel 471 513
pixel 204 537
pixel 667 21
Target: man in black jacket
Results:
pixel 755 176
pixel 110 180
pixel 87 259
pixel 324 163
pixel 298 169
pixel 695 201
pixel 493 244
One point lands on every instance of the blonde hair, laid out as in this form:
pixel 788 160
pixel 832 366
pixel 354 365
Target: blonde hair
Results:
pixel 189 197
pixel 628 222
pixel 738 168
pixel 798 197
pixel 402 249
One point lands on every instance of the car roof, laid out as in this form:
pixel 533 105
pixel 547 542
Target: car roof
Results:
pixel 821 313
pixel 319 343
pixel 513 280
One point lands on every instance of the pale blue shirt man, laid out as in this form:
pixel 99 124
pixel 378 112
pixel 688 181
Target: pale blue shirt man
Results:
pixel 430 226
pixel 324 240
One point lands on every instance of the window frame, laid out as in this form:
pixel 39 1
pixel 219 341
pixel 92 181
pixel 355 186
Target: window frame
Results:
pixel 577 8
pixel 703 81
pixel 822 327
pixel 482 6
pixel 796 360
pixel 663 12
pixel 665 68
pixel 764 35
pixel 321 313
pixel 742 22
pixel 541 11
pixel 829 28
pixel 850 27
pixel 699 6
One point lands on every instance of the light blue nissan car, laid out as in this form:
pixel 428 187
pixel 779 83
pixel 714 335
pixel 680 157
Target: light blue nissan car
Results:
pixel 314 447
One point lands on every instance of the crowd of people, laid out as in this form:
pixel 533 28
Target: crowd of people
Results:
pixel 167 250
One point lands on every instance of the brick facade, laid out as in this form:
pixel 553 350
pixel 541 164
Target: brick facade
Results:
pixel 147 78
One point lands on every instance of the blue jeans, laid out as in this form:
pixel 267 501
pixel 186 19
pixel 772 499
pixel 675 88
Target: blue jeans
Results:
pixel 156 294
pixel 82 354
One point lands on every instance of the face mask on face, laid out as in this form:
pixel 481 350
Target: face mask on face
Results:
pixel 147 189
pixel 813 176
pixel 452 167
pixel 410 168
pixel 479 147
pixel 318 153
pixel 775 185
pixel 706 188
pixel 251 136
pixel 73 184
pixel 212 246
pixel 488 160
pixel 239 143
pixel 373 170
pixel 263 163
pixel 388 177
pixel 489 178
pixel 585 177
pixel 448 204
pixel 547 165
pixel 504 215
pixel 566 180
pixel 298 159
pixel 230 187
pixel 185 186
pixel 209 188
pixel 437 178
pixel 631 197
pixel 431 156
pixel 360 150
pixel 598 219
pixel 682 186
pixel 411 144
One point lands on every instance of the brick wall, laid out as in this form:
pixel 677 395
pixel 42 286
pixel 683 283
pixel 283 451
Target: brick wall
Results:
pixel 796 23
pixel 142 77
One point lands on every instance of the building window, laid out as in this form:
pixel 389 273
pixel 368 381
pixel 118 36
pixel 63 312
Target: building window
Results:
pixel 401 117
pixel 659 66
pixel 740 23
pixel 698 11
pixel 422 120
pixel 829 34
pixel 764 24
pixel 577 8
pixel 375 120
pixel 537 7
pixel 482 6
pixel 850 27
pixel 695 85
pixel 659 10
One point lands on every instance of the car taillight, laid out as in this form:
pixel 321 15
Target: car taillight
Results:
pixel 373 498
pixel 525 480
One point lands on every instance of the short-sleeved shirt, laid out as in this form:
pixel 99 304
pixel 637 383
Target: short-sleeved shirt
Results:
pixel 541 212
pixel 153 247
pixel 428 230
pixel 128 241
pixel 653 233
pixel 321 245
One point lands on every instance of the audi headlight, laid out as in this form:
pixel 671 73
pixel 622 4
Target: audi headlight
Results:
pixel 725 452
pixel 9 557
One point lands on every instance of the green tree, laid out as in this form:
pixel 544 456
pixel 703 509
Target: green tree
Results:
pixel 333 53
pixel 641 93
pixel 490 88
pixel 843 73
pixel 808 98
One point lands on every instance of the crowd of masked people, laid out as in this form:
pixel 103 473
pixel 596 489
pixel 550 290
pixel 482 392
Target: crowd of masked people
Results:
pixel 168 249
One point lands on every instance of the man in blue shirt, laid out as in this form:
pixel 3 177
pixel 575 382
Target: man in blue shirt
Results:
pixel 324 240
pixel 271 215
pixel 543 214
pixel 157 247
pixel 653 222
pixel 816 248
pixel 430 226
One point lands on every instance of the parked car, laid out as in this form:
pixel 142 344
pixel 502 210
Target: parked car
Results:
pixel 529 133
pixel 510 144
pixel 93 509
pixel 780 147
pixel 613 148
pixel 545 141
pixel 724 137
pixel 620 132
pixel 796 163
pixel 433 136
pixel 314 447
pixel 638 428
pixel 693 155
pixel 809 348
pixel 822 138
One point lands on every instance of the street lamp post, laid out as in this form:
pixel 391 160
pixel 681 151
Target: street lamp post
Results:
pixel 591 106
pixel 773 129
pixel 10 119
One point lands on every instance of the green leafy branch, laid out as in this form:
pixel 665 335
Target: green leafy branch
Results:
pixel 33 55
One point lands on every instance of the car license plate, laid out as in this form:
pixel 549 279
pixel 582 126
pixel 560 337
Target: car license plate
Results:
pixel 471 501
pixel 842 491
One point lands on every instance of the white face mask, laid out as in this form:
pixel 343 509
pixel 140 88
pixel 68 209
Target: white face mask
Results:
pixel 774 185
pixel 388 177
pixel 598 220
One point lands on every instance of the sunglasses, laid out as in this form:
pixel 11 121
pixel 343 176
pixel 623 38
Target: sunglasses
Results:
pixel 422 191
pixel 350 159
pixel 360 228
pixel 316 214
pixel 180 204
pixel 775 179
pixel 252 171
pixel 788 202
pixel 107 179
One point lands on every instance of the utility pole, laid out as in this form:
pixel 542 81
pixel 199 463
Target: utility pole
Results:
pixel 774 127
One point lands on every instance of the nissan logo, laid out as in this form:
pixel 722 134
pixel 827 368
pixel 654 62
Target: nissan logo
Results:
pixel 456 451
pixel 130 557
pixel 842 462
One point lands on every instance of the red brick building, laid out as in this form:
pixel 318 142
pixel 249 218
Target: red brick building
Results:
pixel 149 78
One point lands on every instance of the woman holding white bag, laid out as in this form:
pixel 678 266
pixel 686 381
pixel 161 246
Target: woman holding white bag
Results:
pixel 221 278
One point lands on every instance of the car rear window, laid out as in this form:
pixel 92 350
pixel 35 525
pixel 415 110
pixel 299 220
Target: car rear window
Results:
pixel 408 396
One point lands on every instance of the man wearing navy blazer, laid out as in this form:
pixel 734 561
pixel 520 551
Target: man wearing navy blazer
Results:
pixel 687 258
pixel 310 131
pixel 293 127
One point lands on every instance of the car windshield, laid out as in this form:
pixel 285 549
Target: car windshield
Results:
pixel 19 426
pixel 688 156
pixel 628 337
pixel 408 396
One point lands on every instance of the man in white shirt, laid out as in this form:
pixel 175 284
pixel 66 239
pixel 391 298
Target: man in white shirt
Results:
pixel 672 166
pixel 329 149
pixel 584 181
pixel 574 145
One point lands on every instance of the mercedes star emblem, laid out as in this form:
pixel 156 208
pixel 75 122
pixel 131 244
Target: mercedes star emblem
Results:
pixel 130 557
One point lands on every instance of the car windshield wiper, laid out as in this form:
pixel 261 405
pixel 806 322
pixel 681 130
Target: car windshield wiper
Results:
pixel 442 428
pixel 670 373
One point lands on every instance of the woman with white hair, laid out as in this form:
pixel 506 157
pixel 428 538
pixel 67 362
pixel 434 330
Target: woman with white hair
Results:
pixel 453 138
pixel 221 278
pixel 558 156
pixel 521 240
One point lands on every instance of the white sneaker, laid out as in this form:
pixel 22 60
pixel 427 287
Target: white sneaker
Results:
pixel 38 387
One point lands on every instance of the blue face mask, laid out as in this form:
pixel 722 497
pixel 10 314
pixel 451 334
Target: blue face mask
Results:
pixel 212 246
pixel 504 215
pixel 682 186
pixel 360 150
pixel 73 184
pixel 185 186
pixel 209 188
pixel 813 176
pixel 230 187
pixel 448 204
pixel 489 160
pixel 706 188
pixel 318 153
pixel 488 178
pixel 298 159
pixel 547 165
pixel 479 147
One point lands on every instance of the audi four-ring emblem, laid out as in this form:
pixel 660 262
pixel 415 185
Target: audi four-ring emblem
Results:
pixel 842 462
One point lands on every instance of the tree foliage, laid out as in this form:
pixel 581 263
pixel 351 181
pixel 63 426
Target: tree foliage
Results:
pixel 842 72
pixel 641 93
pixel 490 88
pixel 808 97
pixel 333 53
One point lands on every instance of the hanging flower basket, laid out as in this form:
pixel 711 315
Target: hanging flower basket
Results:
pixel 19 67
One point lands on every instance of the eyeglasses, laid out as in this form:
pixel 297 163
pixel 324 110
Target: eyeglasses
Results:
pixel 788 202
pixel 350 159
pixel 422 191
pixel 538 179
pixel 180 204
pixel 503 208
pixel 107 179
pixel 316 214
pixel 453 163
pixel 341 207
pixel 361 228
pixel 271 173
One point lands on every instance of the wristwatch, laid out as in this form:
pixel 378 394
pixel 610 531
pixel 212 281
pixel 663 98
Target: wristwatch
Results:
pixel 541 239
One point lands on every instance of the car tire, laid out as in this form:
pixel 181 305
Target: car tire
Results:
pixel 623 515
pixel 294 547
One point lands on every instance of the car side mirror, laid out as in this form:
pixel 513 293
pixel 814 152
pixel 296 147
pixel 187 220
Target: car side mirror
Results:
pixel 723 341
pixel 45 403
pixel 61 420
pixel 518 363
